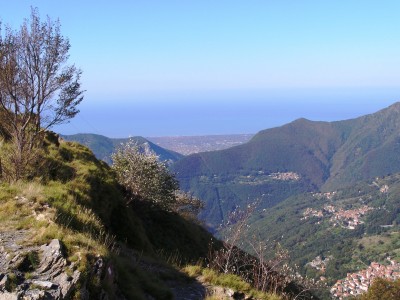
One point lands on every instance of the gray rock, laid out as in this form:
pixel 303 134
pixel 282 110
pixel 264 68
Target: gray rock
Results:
pixel 9 296
pixel 53 259
pixel 34 294
pixel 43 284
pixel 67 283
pixel 49 280
pixel 3 281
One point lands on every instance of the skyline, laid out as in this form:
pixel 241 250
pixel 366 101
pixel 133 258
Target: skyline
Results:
pixel 184 59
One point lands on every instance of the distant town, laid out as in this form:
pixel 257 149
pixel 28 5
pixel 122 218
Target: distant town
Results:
pixel 194 144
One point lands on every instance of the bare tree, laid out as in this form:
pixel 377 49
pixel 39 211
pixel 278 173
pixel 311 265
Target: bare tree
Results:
pixel 38 88
pixel 266 268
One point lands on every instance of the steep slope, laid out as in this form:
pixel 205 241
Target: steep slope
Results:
pixel 103 146
pixel 98 245
pixel 300 156
pixel 371 148
pixel 275 164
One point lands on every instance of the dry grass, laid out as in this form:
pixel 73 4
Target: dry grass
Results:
pixel 29 206
pixel 231 281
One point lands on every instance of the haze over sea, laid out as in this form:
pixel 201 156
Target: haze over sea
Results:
pixel 156 68
pixel 217 112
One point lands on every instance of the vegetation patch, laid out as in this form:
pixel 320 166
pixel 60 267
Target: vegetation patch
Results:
pixel 231 281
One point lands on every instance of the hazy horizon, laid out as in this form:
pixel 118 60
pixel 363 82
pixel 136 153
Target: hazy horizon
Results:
pixel 170 68
pixel 223 113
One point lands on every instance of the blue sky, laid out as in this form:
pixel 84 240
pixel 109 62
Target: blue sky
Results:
pixel 208 67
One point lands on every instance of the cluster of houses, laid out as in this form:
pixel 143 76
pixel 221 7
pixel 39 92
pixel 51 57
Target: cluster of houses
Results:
pixel 310 212
pixel 319 263
pixel 339 217
pixel 285 176
pixel 384 189
pixel 358 283
pixel 261 177
pixel 327 195
pixel 349 218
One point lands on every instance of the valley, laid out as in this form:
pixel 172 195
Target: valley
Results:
pixel 322 189
pixel 328 191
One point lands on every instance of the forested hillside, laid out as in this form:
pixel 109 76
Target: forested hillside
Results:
pixel 335 233
pixel 360 221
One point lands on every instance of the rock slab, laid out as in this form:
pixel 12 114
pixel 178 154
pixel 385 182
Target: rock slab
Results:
pixel 48 280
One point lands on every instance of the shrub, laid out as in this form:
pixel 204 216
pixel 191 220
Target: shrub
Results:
pixel 144 176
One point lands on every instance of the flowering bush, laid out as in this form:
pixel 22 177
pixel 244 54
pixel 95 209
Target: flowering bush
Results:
pixel 144 176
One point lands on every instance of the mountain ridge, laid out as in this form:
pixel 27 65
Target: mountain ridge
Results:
pixel 103 146
pixel 325 155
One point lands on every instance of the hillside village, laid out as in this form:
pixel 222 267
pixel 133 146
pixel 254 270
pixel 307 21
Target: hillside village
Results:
pixel 285 176
pixel 261 177
pixel 348 219
pixel 359 282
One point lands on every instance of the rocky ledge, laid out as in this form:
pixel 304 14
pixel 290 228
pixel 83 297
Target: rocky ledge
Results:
pixel 35 273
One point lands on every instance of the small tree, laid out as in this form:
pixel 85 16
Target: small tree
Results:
pixel 38 89
pixel 144 176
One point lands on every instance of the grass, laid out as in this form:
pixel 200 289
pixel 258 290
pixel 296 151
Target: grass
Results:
pixel 30 262
pixel 77 200
pixel 72 201
pixel 377 248
pixel 231 281
pixel 12 282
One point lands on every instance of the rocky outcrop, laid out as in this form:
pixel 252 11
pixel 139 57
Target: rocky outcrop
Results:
pixel 219 292
pixel 35 273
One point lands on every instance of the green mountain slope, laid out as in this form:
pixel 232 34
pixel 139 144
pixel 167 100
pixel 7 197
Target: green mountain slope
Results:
pixel 301 156
pixel 350 227
pixel 103 146
pixel 370 149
